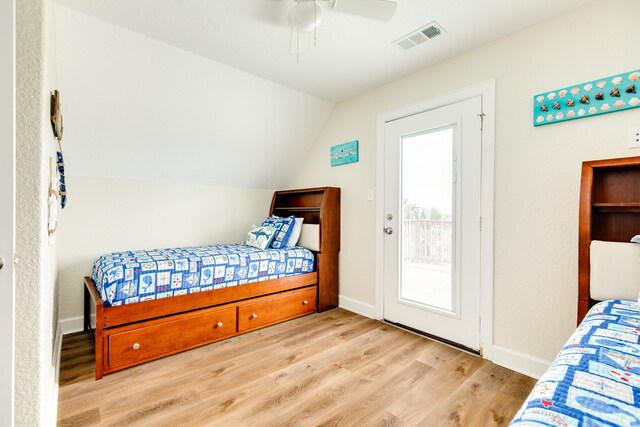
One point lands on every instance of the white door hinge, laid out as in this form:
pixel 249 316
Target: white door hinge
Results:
pixel 481 115
pixel 480 222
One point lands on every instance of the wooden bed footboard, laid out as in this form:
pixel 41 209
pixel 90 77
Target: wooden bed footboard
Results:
pixel 132 334
pixel 92 299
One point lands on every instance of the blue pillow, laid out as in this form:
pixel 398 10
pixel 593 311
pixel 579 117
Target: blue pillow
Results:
pixel 284 228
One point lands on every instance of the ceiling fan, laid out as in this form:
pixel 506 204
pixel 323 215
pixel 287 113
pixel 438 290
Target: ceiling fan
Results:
pixel 306 15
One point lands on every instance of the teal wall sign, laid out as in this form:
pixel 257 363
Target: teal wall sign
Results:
pixel 615 93
pixel 344 153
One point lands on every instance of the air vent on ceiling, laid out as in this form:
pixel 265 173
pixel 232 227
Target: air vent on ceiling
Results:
pixel 421 35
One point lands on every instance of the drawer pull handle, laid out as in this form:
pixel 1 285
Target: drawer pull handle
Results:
pixel 254 316
pixel 305 302
pixel 136 346
pixel 220 324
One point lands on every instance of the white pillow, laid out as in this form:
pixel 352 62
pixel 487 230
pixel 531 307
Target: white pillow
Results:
pixel 244 239
pixel 295 234
pixel 310 237
pixel 261 237
pixel 615 270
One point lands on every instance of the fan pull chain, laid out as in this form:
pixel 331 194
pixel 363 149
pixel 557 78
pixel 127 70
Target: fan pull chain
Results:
pixel 315 23
pixel 297 46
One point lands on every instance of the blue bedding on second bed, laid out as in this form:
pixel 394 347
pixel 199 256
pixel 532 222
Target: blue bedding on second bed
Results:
pixel 130 277
pixel 595 380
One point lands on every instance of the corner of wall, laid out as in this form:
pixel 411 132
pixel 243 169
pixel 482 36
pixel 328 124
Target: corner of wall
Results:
pixel 356 306
pixel 36 307
pixel 520 362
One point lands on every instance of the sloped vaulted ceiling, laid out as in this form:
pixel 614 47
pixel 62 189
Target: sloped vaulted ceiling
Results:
pixel 137 108
pixel 147 94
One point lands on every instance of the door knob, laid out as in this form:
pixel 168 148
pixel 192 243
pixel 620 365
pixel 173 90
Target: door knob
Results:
pixel 1 263
pixel 388 230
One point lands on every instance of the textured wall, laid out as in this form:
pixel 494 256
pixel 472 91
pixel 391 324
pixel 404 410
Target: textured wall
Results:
pixel 36 305
pixel 108 215
pixel 537 170
pixel 7 209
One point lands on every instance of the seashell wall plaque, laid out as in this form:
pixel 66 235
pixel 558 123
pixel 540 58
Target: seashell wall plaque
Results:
pixel 608 95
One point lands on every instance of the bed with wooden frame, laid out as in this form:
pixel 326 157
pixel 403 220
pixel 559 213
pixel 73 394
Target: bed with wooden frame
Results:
pixel 132 334
pixel 595 379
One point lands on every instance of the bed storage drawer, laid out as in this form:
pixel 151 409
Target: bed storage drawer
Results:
pixel 127 346
pixel 267 311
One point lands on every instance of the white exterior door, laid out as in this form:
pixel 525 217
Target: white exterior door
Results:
pixel 432 223
pixel 7 209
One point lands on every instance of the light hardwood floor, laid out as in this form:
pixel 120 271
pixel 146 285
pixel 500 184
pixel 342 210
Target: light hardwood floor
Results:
pixel 334 368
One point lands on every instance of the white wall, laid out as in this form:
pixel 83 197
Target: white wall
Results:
pixel 139 108
pixel 164 148
pixel 36 289
pixel 537 170
pixel 108 215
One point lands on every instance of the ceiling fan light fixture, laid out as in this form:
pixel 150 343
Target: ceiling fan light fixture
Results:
pixel 305 16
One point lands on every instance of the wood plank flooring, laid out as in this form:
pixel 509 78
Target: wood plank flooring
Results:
pixel 332 369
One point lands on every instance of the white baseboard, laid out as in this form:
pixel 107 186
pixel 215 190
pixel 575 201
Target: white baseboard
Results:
pixel 358 307
pixel 520 362
pixel 52 412
pixel 74 324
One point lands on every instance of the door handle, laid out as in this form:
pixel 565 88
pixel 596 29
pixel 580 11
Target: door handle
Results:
pixel 1 263
pixel 388 230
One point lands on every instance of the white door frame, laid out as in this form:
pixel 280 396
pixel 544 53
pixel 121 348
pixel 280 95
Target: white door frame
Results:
pixel 7 210
pixel 487 91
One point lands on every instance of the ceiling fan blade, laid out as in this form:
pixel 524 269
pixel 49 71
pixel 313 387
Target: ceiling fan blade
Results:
pixel 300 41
pixel 382 10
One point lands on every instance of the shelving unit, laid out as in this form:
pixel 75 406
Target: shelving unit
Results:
pixel 317 206
pixel 609 211
pixel 297 208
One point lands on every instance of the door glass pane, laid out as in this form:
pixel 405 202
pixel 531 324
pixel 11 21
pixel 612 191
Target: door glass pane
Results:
pixel 428 199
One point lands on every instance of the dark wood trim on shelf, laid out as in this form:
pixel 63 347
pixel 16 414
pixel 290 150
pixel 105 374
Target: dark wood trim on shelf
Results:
pixel 618 204
pixel 584 240
pixel 296 208
pixel 606 212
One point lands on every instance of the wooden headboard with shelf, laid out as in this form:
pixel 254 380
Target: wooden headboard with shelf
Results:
pixel 317 206
pixel 609 211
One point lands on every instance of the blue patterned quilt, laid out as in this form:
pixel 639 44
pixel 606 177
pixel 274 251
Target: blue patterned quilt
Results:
pixel 130 277
pixel 595 380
